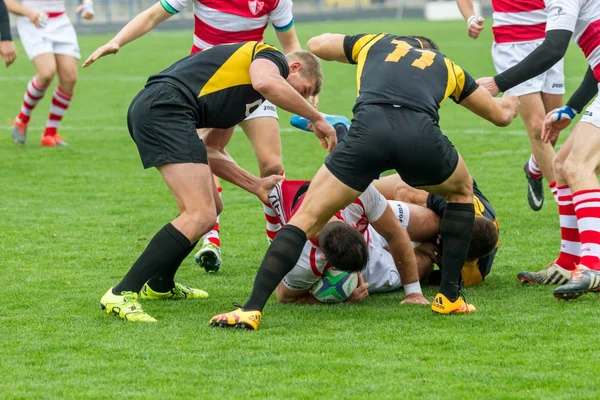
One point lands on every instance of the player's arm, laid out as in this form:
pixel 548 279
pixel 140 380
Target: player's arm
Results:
pixel 287 295
pixel 474 23
pixel 328 47
pixel 7 47
pixel 266 77
pixel 499 111
pixel 288 39
pixel 18 9
pixel 402 252
pixel 559 119
pixel 137 27
pixel 86 8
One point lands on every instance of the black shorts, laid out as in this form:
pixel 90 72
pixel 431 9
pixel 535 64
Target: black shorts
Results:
pixel 384 137
pixel 161 122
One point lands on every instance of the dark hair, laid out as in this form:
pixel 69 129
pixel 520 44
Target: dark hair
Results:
pixel 484 239
pixel 426 43
pixel 344 247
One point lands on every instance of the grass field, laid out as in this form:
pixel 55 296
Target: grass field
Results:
pixel 74 219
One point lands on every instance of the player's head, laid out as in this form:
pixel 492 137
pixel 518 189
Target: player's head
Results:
pixel 306 75
pixel 484 239
pixel 426 43
pixel 344 247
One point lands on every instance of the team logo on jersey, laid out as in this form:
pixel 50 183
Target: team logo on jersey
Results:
pixel 255 6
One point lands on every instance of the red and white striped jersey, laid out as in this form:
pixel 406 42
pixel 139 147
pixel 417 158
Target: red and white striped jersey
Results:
pixel 518 21
pixel 233 21
pixel 52 7
pixel 369 207
pixel 582 17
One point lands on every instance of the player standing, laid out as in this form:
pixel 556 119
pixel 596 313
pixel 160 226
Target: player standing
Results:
pixel 218 22
pixel 395 126
pixel 519 28
pixel 7 47
pixel 578 160
pixel 51 44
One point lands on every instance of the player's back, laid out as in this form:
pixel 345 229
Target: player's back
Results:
pixel 403 71
pixel 217 81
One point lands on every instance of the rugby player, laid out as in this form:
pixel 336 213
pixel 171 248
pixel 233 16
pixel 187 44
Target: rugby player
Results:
pixel 519 28
pixel 220 22
pixel 7 47
pixel 395 126
pixel 577 267
pixel 50 42
pixel 214 88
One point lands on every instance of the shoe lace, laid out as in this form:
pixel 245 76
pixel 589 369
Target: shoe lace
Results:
pixel 577 274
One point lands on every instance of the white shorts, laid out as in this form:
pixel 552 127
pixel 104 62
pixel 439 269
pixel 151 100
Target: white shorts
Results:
pixel 381 271
pixel 266 109
pixel 57 37
pixel 507 55
pixel 591 114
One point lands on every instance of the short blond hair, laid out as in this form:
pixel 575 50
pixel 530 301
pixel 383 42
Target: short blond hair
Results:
pixel 311 67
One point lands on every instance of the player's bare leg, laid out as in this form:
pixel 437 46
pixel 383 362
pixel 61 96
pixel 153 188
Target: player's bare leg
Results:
pixel 580 169
pixel 456 229
pixel 209 256
pixel 45 66
pixel 533 112
pixel 66 68
pixel 263 133
pixel 324 197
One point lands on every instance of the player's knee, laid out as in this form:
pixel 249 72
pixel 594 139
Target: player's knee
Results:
pixel 462 192
pixel 45 75
pixel 534 128
pixel 572 170
pixel 273 166
pixel 67 80
pixel 202 220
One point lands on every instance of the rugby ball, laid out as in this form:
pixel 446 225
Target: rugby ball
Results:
pixel 335 286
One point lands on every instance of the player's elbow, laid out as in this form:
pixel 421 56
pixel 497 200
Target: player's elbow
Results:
pixel 314 44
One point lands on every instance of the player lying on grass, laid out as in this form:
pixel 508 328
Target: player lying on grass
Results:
pixel 485 239
pixel 395 126
pixel 215 88
pixel 353 240
pixel 7 47
pixel 576 165
pixel 221 22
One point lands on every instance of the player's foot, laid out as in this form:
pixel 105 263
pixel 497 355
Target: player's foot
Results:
pixel 442 305
pixel 209 257
pixel 53 141
pixel 535 190
pixel 304 124
pixel 237 319
pixel 60 141
pixel 125 306
pixel 19 132
pixel 179 292
pixel 553 274
pixel 583 280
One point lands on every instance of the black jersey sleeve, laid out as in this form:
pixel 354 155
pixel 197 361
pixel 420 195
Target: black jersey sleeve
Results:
pixel 585 92
pixel 460 83
pixel 354 44
pixel 540 60
pixel 437 204
pixel 276 57
pixel 4 23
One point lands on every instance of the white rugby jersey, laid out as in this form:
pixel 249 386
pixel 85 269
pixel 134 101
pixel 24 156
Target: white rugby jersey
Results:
pixel 233 21
pixel 368 207
pixel 518 21
pixel 582 17
pixel 53 8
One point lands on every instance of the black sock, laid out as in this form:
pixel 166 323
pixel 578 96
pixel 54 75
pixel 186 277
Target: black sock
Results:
pixel 165 248
pixel 456 229
pixel 164 280
pixel 281 257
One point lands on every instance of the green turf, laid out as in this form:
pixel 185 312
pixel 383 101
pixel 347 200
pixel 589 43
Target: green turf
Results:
pixel 72 221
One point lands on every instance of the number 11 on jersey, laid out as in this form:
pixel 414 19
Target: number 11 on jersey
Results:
pixel 402 49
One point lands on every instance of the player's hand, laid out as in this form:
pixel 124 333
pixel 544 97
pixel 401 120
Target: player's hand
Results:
pixel 8 52
pixel 325 133
pixel 415 298
pixel 108 48
pixel 314 100
pixel 86 9
pixel 556 121
pixel 430 250
pixel 511 105
pixel 266 185
pixel 475 26
pixel 360 293
pixel 37 18
pixel 489 84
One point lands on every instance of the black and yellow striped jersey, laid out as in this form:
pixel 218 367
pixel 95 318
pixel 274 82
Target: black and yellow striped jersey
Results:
pixel 217 81
pixel 397 70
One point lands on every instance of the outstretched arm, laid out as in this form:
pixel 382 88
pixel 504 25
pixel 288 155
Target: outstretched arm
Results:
pixel 499 111
pixel 138 26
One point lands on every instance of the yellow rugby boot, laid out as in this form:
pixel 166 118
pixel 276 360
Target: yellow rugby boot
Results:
pixel 179 292
pixel 124 306
pixel 237 319
pixel 442 305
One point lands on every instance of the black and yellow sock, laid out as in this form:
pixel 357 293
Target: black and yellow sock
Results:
pixel 456 229
pixel 281 257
